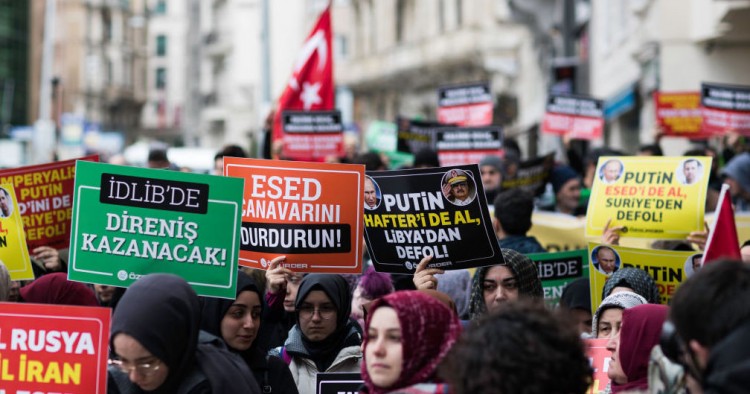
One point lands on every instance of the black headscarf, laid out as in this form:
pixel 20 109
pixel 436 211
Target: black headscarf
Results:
pixel 162 313
pixel 577 295
pixel 324 352
pixel 522 268
pixel 637 279
pixel 213 310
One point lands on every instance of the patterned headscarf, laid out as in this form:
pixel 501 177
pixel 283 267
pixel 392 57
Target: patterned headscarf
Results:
pixel 428 331
pixel 623 300
pixel 637 279
pixel 523 269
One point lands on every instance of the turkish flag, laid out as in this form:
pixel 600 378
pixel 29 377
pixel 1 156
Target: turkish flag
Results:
pixel 310 87
pixel 722 239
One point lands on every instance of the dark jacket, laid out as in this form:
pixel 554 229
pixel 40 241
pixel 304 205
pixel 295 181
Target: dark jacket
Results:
pixel 522 244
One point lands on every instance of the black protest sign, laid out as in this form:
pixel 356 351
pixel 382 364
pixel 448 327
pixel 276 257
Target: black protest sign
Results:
pixel 725 108
pixel 312 122
pixel 415 135
pixel 532 174
pixel 338 383
pixel 440 212
pixel 467 145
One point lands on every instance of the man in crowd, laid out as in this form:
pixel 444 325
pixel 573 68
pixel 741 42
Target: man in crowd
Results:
pixel 491 168
pixel 737 175
pixel 512 221
pixel 566 184
pixel 711 317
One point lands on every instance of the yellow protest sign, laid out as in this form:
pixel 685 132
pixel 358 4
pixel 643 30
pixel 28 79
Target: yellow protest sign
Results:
pixel 13 251
pixel 668 268
pixel 651 197
pixel 559 232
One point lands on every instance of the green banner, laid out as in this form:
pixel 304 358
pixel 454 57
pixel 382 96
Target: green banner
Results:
pixel 558 269
pixel 129 222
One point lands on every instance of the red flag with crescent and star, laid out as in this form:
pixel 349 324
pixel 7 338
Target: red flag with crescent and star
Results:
pixel 310 87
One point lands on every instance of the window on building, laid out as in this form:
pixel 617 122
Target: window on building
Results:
pixel 161 45
pixel 340 46
pixel 109 72
pixel 161 78
pixel 161 7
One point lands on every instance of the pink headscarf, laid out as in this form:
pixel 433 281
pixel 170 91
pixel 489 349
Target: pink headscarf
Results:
pixel 640 332
pixel 57 289
pixel 428 330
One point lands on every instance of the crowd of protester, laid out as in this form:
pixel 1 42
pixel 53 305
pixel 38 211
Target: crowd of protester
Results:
pixel 434 331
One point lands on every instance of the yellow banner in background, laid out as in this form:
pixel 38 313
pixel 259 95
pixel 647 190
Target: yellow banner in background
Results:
pixel 668 268
pixel 652 197
pixel 741 220
pixel 13 250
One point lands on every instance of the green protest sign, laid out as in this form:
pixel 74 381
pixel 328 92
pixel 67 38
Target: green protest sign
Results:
pixel 558 269
pixel 129 222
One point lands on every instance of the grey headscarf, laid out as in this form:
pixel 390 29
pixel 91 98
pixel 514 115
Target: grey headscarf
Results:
pixel 457 284
pixel 622 300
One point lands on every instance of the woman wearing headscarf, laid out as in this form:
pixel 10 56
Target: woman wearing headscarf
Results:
pixel 607 319
pixel 280 297
pixel 631 349
pixel 407 335
pixel 157 348
pixel 575 301
pixel 57 289
pixel 324 339
pixel 5 283
pixel 238 322
pixel 635 280
pixel 494 285
pixel 369 286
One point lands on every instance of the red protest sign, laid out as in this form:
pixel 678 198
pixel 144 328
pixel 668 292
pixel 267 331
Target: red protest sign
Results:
pixel 309 212
pixel 45 200
pixel 53 348
pixel 599 356
pixel 312 135
pixel 679 114
pixel 725 108
pixel 577 116
pixel 465 105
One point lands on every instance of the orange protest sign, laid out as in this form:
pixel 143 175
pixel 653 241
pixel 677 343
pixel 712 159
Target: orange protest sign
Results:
pixel 309 212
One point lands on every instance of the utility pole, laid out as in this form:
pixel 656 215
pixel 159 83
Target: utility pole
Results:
pixel 44 140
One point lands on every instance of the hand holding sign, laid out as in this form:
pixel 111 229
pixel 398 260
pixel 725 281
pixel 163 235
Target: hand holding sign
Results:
pixel 699 237
pixel 50 257
pixel 611 235
pixel 424 278
pixel 276 275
